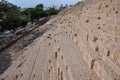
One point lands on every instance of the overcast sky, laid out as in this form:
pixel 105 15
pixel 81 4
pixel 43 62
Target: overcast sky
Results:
pixel 47 3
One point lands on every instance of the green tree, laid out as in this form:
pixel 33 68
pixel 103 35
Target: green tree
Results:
pixel 40 6
pixel 52 11
pixel 35 13
pixel 11 17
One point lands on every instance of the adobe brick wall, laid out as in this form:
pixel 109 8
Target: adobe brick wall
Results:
pixel 95 27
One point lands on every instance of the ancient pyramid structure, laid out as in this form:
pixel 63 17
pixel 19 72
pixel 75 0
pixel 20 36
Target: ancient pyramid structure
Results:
pixel 83 43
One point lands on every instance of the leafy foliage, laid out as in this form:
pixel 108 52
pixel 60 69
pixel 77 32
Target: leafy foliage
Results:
pixel 12 17
pixel 39 12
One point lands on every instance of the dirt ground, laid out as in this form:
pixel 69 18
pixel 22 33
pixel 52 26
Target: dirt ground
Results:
pixel 12 52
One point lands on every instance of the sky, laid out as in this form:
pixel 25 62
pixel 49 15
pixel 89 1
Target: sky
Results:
pixel 47 3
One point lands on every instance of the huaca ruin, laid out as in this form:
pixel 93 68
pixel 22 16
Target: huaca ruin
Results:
pixel 82 42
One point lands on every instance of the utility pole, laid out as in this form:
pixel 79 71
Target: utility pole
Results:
pixel 29 17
